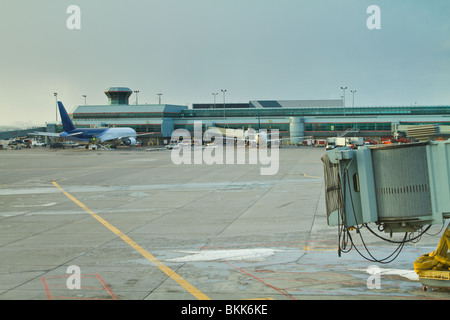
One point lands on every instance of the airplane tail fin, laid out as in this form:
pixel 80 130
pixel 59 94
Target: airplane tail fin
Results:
pixel 67 123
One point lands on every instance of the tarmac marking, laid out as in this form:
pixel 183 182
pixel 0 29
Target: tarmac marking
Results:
pixel 169 272
pixel 283 292
pixel 62 285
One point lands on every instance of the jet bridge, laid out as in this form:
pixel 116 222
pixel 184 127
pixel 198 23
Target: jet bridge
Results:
pixel 401 188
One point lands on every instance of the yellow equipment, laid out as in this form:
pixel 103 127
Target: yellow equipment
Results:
pixel 433 269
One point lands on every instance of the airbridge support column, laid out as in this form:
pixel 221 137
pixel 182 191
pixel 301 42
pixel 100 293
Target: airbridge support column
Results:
pixel 296 129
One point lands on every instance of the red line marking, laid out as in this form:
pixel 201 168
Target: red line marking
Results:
pixel 85 276
pixel 47 291
pixel 87 288
pixel 107 287
pixel 78 298
pixel 263 282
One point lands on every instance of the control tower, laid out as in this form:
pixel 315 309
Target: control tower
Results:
pixel 118 95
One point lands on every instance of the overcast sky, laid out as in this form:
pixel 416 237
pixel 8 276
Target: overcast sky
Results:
pixel 188 49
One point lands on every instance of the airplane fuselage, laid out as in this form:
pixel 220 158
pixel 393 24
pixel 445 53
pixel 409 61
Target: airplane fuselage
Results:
pixel 114 136
pixel 81 135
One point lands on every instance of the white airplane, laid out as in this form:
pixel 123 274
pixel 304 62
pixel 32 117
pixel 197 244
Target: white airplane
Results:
pixel 103 136
pixel 253 137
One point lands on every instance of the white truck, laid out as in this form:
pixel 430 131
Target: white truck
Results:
pixel 335 142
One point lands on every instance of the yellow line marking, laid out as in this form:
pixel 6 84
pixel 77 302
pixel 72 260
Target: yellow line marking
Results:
pixel 172 274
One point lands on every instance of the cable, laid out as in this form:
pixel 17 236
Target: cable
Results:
pixel 373 259
pixel 439 232
pixel 347 236
pixel 342 244
pixel 392 241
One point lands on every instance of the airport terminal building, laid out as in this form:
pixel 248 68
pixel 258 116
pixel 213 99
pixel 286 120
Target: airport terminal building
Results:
pixel 317 118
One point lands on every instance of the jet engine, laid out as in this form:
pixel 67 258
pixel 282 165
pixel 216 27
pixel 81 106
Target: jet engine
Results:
pixel 130 141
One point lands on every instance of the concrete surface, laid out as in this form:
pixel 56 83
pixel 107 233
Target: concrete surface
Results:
pixel 226 230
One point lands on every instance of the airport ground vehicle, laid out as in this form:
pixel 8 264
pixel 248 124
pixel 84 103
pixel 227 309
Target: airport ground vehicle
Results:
pixel 335 142
pixel 38 144
pixel 55 145
pixel 19 144
pixel 70 144
pixel 433 268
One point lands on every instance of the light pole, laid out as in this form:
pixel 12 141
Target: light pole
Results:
pixel 343 90
pixel 353 92
pixel 223 91
pixel 136 91
pixel 84 96
pixel 215 94
pixel 56 100
pixel 159 97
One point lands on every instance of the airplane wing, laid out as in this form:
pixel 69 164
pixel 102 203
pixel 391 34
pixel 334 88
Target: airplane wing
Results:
pixel 128 137
pixel 268 140
pixel 46 134
pixel 145 134
pixel 285 139
pixel 75 134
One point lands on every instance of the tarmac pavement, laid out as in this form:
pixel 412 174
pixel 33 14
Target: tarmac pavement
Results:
pixel 129 224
